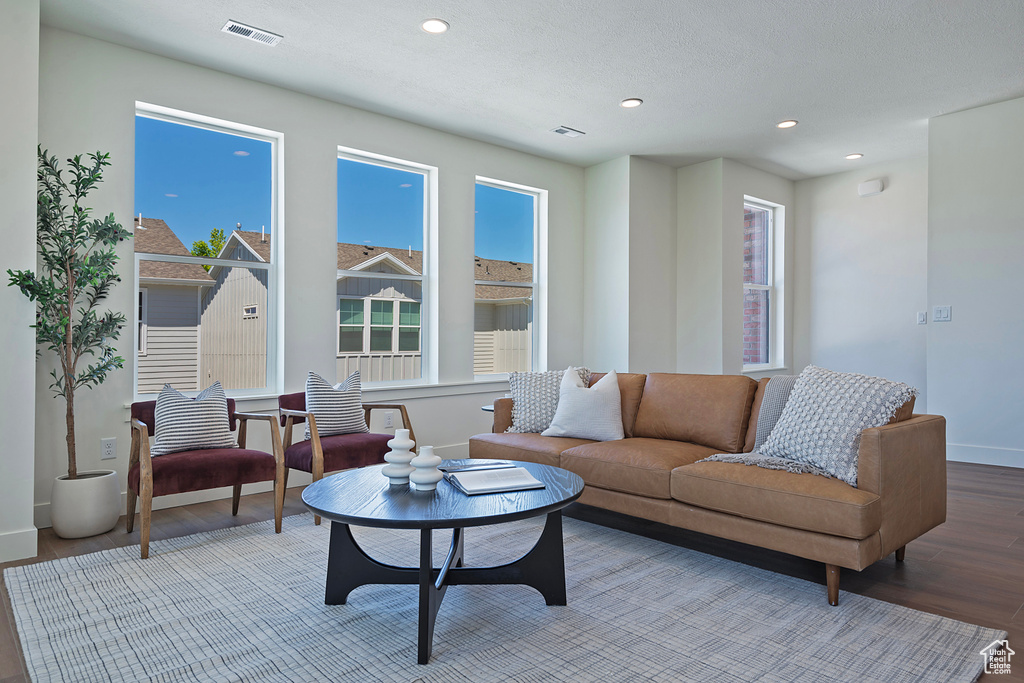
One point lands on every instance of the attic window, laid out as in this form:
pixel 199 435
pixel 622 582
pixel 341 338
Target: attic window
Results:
pixel 250 311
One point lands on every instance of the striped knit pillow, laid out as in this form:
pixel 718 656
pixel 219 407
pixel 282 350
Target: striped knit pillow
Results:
pixel 337 409
pixel 189 424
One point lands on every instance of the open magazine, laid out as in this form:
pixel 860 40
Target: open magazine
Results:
pixel 475 482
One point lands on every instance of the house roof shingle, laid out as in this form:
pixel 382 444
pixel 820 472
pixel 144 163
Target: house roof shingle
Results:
pixel 350 256
pixel 154 236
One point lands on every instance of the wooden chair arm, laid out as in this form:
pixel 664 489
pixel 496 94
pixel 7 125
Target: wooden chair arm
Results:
pixel 140 454
pixel 406 422
pixel 275 433
pixel 292 413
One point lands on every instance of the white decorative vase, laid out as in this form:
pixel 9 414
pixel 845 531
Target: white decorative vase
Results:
pixel 85 506
pixel 427 475
pixel 399 456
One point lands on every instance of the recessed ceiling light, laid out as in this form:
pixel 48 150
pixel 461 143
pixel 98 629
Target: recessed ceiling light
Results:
pixel 856 155
pixel 786 124
pixel 434 26
pixel 631 102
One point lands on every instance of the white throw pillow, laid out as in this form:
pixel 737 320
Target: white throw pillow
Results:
pixel 338 409
pixel 582 413
pixel 190 424
pixel 535 398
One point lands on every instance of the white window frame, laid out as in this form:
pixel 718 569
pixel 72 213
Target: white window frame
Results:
pixel 255 311
pixel 275 268
pixel 776 298
pixel 427 278
pixel 142 321
pixel 538 285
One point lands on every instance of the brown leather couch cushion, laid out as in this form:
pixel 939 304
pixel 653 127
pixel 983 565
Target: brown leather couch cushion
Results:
pixel 639 466
pixel 631 389
pixel 710 410
pixel 800 501
pixel 530 447
pixel 755 411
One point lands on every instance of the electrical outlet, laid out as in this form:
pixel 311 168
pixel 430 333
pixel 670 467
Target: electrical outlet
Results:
pixel 108 448
pixel 389 419
pixel 922 317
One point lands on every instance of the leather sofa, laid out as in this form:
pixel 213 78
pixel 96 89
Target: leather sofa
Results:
pixel 671 421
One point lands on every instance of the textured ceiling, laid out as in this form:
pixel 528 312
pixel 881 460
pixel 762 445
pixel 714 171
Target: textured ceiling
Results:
pixel 715 75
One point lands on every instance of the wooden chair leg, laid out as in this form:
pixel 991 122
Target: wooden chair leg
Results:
pixel 901 553
pixel 129 520
pixel 832 578
pixel 147 514
pixel 235 495
pixel 279 484
pixel 318 474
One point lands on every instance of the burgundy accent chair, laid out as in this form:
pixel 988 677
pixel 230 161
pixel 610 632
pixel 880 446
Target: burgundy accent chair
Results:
pixel 200 469
pixel 320 454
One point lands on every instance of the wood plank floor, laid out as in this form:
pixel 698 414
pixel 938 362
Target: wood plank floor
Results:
pixel 971 568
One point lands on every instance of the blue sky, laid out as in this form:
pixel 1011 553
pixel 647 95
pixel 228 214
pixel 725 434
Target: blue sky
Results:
pixel 197 179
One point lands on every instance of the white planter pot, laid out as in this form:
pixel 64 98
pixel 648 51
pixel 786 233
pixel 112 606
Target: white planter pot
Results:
pixel 86 506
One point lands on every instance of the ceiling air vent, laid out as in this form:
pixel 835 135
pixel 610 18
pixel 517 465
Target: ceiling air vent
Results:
pixel 259 35
pixel 568 132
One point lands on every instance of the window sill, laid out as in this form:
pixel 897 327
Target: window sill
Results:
pixel 755 369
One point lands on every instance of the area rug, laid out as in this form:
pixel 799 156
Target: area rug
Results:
pixel 245 604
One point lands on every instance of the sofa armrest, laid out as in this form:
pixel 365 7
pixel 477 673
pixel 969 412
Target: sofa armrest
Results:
pixel 502 415
pixel 905 464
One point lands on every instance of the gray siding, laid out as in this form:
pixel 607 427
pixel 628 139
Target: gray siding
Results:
pixel 172 339
pixel 233 348
pixel 380 367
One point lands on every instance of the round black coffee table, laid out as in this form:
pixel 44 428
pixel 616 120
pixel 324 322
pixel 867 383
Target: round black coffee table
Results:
pixel 363 497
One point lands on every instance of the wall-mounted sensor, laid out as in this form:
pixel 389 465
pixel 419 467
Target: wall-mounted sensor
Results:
pixel 870 188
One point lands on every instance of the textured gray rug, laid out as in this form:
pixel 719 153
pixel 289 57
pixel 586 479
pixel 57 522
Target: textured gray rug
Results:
pixel 244 604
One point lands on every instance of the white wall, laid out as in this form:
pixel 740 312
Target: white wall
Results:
pixel 652 266
pixel 710 262
pixel 975 261
pixel 862 273
pixel 699 271
pixel 606 267
pixel 104 81
pixel 19 82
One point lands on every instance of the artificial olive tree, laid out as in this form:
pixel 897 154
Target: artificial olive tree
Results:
pixel 77 268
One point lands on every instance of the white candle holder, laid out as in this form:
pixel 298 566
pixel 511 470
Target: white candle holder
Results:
pixel 426 475
pixel 399 457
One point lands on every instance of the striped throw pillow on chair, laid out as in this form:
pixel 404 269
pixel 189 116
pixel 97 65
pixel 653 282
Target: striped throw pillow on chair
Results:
pixel 338 409
pixel 189 424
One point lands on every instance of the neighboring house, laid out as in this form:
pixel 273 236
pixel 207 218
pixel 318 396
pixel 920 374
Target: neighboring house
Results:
pixel 233 316
pixel 199 327
pixel 379 319
pixel 169 302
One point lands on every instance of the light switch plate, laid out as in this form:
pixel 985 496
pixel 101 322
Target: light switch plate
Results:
pixel 942 314
pixel 922 317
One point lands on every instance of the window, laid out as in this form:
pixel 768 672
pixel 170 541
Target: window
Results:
pixel 383 255
pixel 762 255
pixel 207 227
pixel 393 326
pixel 508 217
pixel 142 323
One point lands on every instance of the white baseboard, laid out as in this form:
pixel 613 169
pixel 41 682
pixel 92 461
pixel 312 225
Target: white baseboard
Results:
pixel 985 455
pixel 18 545
pixel 41 512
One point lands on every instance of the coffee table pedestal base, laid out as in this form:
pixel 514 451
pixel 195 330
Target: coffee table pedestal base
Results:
pixel 348 567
